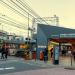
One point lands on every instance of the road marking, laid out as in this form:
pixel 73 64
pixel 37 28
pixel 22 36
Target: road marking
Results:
pixel 8 68
pixel 8 61
pixel 1 69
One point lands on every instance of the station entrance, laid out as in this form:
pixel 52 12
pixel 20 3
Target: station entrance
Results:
pixel 66 50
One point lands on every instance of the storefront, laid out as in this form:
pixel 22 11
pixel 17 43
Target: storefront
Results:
pixel 66 43
pixel 52 34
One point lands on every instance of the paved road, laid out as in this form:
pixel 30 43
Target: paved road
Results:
pixel 14 65
pixel 52 71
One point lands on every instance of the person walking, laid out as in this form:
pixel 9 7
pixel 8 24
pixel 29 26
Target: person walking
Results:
pixel 2 52
pixel 6 51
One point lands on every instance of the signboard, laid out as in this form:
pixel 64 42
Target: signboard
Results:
pixel 67 35
pixel 55 36
pixel 56 55
pixel 71 35
pixel 41 46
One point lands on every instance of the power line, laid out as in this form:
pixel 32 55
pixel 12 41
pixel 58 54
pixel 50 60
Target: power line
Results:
pixel 22 9
pixel 26 6
pixel 13 9
pixel 11 23
pixel 26 11
pixel 16 10
pixel 6 17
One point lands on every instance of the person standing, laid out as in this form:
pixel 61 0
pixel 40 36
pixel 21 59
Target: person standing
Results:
pixel 45 54
pixel 74 55
pixel 51 52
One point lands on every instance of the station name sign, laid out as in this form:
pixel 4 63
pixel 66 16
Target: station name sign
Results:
pixel 67 35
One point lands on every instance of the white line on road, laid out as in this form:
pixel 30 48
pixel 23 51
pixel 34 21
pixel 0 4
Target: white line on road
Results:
pixel 8 61
pixel 8 68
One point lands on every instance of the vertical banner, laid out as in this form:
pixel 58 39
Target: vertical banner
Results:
pixel 56 55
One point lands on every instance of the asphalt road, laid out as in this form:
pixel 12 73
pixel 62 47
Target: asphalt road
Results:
pixel 52 71
pixel 17 65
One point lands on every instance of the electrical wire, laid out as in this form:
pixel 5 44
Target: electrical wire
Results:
pixel 6 17
pixel 25 10
pixel 11 23
pixel 26 6
pixel 13 9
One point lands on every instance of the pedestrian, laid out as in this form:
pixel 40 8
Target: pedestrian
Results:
pixel 51 52
pixel 6 51
pixel 45 54
pixel 2 52
pixel 74 55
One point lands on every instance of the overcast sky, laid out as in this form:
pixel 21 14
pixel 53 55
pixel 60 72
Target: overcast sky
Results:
pixel 64 9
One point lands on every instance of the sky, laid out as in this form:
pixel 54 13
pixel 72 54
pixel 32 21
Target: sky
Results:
pixel 64 9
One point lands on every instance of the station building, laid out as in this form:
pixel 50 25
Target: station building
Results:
pixel 47 36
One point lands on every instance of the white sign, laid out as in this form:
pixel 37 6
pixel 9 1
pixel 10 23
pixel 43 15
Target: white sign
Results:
pixel 67 35
pixel 41 46
pixel 56 53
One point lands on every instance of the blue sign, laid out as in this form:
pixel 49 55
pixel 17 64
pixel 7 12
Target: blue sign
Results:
pixel 56 53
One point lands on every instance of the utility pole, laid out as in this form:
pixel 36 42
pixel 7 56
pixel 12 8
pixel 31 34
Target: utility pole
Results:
pixel 33 28
pixel 30 54
pixel 28 25
pixel 56 20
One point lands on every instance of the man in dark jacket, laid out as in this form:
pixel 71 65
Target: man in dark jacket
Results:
pixel 2 52
pixel 45 54
pixel 6 52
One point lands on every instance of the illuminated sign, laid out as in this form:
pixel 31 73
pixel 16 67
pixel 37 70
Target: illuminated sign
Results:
pixel 56 53
pixel 41 46
pixel 54 36
pixel 67 35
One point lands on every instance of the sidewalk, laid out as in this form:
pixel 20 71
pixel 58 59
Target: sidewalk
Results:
pixel 44 68
pixel 63 62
